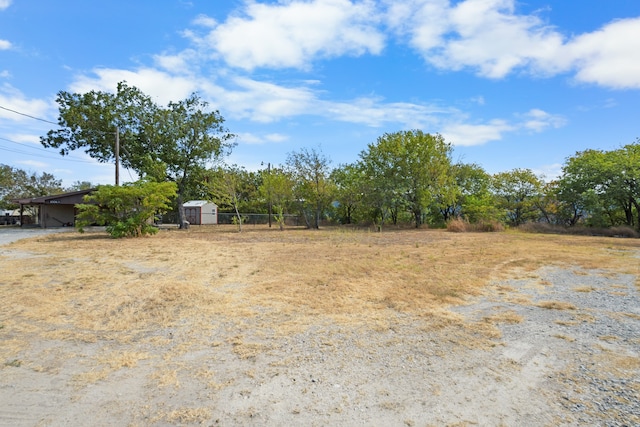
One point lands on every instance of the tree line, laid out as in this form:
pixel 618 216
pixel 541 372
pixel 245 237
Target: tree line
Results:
pixel 405 177
pixel 408 177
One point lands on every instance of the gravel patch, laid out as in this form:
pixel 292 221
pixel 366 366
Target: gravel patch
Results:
pixel 558 346
pixel 593 335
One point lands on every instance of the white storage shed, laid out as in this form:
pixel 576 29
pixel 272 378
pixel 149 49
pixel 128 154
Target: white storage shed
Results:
pixel 199 212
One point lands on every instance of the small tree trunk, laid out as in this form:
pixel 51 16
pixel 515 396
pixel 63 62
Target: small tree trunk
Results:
pixel 235 206
pixel 183 223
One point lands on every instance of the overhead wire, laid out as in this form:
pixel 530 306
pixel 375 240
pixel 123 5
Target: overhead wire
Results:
pixel 64 158
pixel 28 115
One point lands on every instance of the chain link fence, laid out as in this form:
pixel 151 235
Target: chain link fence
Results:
pixel 255 219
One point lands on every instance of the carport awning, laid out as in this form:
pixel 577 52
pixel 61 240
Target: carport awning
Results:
pixel 71 198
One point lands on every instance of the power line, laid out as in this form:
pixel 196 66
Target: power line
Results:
pixel 49 121
pixel 28 115
pixel 65 158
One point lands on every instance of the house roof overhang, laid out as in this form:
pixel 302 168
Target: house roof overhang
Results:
pixel 57 199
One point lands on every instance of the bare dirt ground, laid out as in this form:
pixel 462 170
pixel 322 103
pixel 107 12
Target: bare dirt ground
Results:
pixel 217 339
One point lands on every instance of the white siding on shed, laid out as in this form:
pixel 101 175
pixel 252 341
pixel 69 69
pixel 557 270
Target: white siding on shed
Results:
pixel 200 212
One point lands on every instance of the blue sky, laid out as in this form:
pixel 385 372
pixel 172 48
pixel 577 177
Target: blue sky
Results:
pixel 510 84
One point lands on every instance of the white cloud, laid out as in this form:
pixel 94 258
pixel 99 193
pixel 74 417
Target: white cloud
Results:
pixel 184 62
pixel 4 4
pixel 375 112
pixel 161 86
pixel 538 120
pixel 13 99
pixel 490 37
pixel 464 135
pixel 23 137
pixel 253 139
pixel 5 44
pixel 549 172
pixel 610 56
pixel 205 21
pixel 34 164
pixel 294 33
pixel 266 102
pixel 485 35
pixel 276 137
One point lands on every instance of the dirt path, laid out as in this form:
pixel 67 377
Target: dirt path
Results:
pixel 553 347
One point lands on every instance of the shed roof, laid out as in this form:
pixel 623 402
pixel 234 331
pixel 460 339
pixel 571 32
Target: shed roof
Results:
pixel 197 203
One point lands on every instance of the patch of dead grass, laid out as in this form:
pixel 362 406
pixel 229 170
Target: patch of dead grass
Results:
pixel 508 317
pixel 556 305
pixel 87 286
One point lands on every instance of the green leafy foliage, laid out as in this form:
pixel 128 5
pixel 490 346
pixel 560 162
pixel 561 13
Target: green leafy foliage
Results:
pixel 517 193
pixel 603 187
pixel 277 189
pixel 404 171
pixel 225 187
pixel 16 183
pixel 313 189
pixel 174 143
pixel 127 210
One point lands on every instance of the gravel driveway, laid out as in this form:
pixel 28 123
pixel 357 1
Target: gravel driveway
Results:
pixel 11 234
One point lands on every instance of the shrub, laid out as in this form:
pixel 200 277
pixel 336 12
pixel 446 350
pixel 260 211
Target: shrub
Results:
pixel 546 228
pixel 459 225
pixel 126 210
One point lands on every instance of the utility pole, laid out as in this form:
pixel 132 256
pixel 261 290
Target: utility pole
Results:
pixel 117 153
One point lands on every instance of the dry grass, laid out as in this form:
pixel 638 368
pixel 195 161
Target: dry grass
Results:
pixel 556 305
pixel 88 287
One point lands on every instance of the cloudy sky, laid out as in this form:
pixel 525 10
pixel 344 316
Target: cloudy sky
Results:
pixel 510 84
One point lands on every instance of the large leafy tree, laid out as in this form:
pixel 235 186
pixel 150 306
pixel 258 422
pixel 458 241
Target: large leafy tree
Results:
pixel 604 185
pixel 469 196
pixel 179 143
pixel 349 182
pixel 175 143
pixel 89 121
pixel 227 186
pixel 16 183
pixel 406 169
pixel 310 169
pixel 277 189
pixel 518 193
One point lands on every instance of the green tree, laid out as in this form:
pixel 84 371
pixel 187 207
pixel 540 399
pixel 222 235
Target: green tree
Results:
pixel 313 189
pixel 225 187
pixel 277 189
pixel 89 122
pixel 16 183
pixel 406 169
pixel 517 193
pixel 80 185
pixel 604 185
pixel 179 143
pixel 470 196
pixel 126 210
pixel 349 182
pixel 174 143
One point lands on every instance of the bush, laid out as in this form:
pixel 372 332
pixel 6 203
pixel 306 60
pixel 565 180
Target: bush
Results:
pixel 459 225
pixel 126 210
pixel 546 228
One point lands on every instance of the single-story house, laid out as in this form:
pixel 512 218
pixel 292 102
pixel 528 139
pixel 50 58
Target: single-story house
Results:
pixel 51 211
